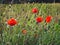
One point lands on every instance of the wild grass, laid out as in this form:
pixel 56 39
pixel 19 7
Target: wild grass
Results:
pixel 37 34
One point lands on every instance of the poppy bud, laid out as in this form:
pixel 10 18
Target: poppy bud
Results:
pixel 24 31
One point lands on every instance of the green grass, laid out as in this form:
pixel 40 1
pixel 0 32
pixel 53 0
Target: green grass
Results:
pixel 37 34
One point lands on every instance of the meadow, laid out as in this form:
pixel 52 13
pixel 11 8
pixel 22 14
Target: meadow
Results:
pixel 27 31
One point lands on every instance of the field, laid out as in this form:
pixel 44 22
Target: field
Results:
pixel 35 33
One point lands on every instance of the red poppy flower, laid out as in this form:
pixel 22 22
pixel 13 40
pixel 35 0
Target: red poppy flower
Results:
pixel 34 10
pixel 11 22
pixel 39 19
pixel 48 19
pixel 24 31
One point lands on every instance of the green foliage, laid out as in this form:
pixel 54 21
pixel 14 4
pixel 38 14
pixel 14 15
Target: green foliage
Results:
pixel 37 34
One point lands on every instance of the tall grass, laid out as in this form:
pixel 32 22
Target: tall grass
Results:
pixel 37 34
